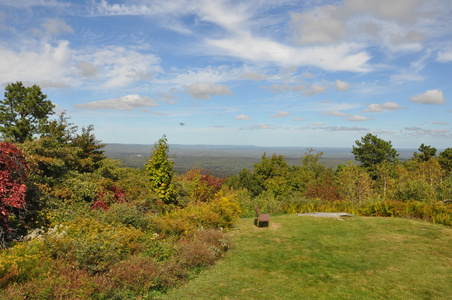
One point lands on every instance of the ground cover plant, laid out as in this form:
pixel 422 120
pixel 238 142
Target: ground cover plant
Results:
pixel 326 258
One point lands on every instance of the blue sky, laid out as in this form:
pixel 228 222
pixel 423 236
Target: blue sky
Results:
pixel 258 72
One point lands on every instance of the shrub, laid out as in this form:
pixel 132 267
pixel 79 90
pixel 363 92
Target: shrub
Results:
pixel 220 212
pixel 21 262
pixel 92 245
pixel 13 174
pixel 201 187
pixel 126 214
pixel 440 213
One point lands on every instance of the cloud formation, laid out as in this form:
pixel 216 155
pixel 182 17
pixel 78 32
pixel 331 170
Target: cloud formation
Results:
pixel 205 90
pixel 429 97
pixel 243 117
pixel 129 102
pixel 56 27
pixel 341 85
pixel 280 114
pixel 358 118
pixel 382 107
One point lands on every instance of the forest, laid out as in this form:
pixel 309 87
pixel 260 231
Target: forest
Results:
pixel 76 224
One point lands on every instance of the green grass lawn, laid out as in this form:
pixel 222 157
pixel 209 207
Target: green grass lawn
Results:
pixel 325 258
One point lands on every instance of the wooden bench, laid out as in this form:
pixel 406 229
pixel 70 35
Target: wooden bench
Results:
pixel 261 219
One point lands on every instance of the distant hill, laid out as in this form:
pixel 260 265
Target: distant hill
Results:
pixel 227 159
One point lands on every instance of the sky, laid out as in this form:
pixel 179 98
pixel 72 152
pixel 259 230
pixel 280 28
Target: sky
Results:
pixel 278 73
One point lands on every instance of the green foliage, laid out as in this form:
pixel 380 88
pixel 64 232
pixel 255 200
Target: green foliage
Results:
pixel 220 212
pixel 160 171
pixel 371 151
pixel 426 152
pixel 354 183
pixel 439 212
pixel 61 150
pixel 271 174
pixel 23 112
pixel 199 186
pixel 92 245
pixel 445 160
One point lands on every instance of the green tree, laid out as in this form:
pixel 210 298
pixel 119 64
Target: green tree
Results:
pixel 371 151
pixel 161 174
pixel 272 174
pixel 23 112
pixel 354 183
pixel 445 160
pixel 426 152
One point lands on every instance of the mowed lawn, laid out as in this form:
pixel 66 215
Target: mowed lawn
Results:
pixel 325 258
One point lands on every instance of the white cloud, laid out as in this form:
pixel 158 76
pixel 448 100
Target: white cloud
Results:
pixel 299 119
pixel 440 123
pixel 342 57
pixel 280 114
pixel 55 27
pixel 357 118
pixel 382 107
pixel 87 69
pixel 314 89
pixel 316 124
pixel 429 97
pixel 417 131
pixel 40 62
pixel 401 10
pixel 113 66
pixel 204 90
pixel 342 128
pixel 31 3
pixel 254 76
pixel 335 113
pixel 444 57
pixel 341 85
pixel 285 87
pixel 323 25
pixel 128 102
pixel 243 117
pixel 119 66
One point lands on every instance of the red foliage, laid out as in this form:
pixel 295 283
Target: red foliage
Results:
pixel 324 189
pixel 205 186
pixel 112 194
pixel 13 173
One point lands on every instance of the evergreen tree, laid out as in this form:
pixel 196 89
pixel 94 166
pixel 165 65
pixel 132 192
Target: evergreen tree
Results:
pixel 426 152
pixel 372 151
pixel 23 112
pixel 161 174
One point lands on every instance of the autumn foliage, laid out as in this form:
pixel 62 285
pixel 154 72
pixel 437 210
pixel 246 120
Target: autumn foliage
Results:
pixel 13 174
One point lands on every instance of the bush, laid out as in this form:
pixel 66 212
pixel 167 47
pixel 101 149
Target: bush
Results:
pixel 220 212
pixel 440 213
pixel 92 245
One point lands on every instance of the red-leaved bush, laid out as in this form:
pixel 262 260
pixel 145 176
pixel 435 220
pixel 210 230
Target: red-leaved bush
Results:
pixel 111 194
pixel 13 174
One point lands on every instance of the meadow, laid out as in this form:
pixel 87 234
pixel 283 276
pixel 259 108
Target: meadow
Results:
pixel 327 258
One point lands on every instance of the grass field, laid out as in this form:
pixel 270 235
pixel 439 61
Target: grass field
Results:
pixel 326 258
